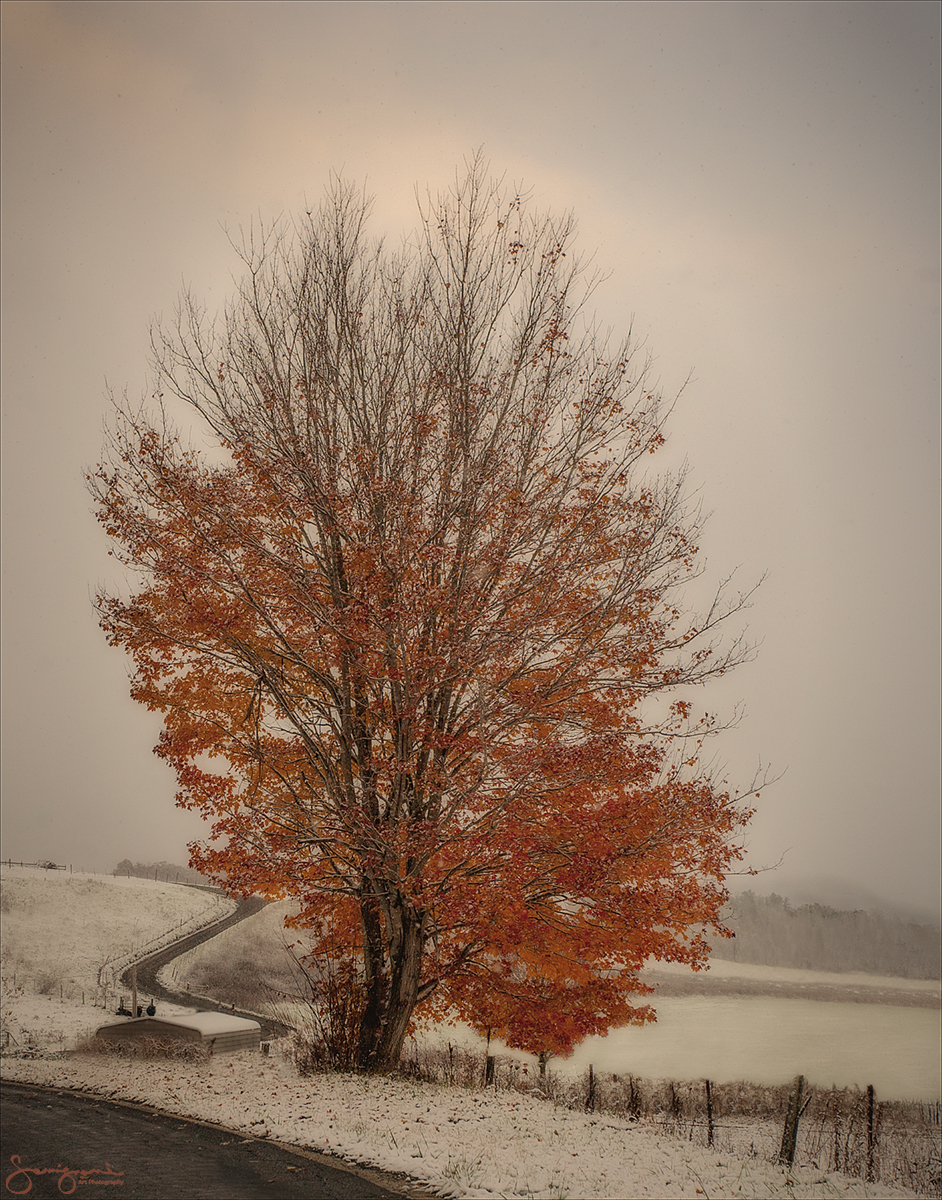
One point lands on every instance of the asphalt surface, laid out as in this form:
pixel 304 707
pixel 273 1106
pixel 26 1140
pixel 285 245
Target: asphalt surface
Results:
pixel 56 1143
pixel 147 968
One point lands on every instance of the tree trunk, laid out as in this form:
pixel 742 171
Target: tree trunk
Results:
pixel 375 980
pixel 393 945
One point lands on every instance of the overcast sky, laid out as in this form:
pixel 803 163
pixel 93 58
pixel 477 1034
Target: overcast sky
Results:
pixel 758 181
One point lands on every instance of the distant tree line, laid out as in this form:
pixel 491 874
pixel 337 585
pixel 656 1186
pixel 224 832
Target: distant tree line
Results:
pixel 770 932
pixel 167 872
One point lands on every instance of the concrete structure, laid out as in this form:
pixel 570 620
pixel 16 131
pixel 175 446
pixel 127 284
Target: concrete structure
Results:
pixel 218 1032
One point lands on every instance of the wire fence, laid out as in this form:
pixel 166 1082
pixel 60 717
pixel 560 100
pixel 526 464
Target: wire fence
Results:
pixel 846 1130
pixel 116 964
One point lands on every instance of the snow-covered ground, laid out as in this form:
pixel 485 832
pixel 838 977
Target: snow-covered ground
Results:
pixel 68 935
pixel 471 1144
pixel 479 1145
pixel 897 1050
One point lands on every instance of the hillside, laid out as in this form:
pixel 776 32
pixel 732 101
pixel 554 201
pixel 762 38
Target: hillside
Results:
pixel 814 937
pixel 60 930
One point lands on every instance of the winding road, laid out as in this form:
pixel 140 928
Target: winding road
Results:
pixel 147 969
pixel 56 1140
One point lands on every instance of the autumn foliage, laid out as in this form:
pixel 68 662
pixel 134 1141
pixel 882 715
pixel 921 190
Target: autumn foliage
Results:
pixel 415 628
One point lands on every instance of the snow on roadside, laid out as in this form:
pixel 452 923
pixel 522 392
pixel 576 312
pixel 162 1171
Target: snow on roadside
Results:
pixel 60 929
pixel 460 1144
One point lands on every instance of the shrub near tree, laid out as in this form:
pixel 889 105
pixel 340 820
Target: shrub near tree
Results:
pixel 412 626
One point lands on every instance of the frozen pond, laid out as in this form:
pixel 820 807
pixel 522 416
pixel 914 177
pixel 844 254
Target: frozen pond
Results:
pixel 770 1040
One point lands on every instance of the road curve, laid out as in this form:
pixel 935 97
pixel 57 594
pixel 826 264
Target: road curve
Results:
pixel 56 1140
pixel 147 968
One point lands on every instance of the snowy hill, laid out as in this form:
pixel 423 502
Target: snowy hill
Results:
pixel 472 1144
pixel 60 930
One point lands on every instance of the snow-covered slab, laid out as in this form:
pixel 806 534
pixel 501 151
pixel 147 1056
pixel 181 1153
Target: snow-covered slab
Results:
pixel 219 1032
pixel 212 1024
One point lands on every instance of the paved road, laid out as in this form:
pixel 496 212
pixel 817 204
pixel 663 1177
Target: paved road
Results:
pixel 147 968
pixel 138 1153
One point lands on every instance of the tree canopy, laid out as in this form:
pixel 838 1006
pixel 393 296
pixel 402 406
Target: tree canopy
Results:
pixel 416 626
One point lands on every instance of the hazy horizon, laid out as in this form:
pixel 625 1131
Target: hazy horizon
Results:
pixel 759 184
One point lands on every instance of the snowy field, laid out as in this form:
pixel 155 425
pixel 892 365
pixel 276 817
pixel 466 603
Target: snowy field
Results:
pixel 470 1144
pixel 474 1145
pixel 67 934
pixel 897 1050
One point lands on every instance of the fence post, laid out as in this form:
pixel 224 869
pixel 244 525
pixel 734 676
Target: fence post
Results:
pixel 709 1106
pixel 786 1156
pixel 634 1100
pixel 870 1138
pixel 590 1098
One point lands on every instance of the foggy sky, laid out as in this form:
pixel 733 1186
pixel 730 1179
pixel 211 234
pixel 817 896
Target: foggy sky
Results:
pixel 759 183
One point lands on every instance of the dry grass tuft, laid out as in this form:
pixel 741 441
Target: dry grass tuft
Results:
pixel 146 1048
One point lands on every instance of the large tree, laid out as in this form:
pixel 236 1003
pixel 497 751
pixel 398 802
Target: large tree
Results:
pixel 415 625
